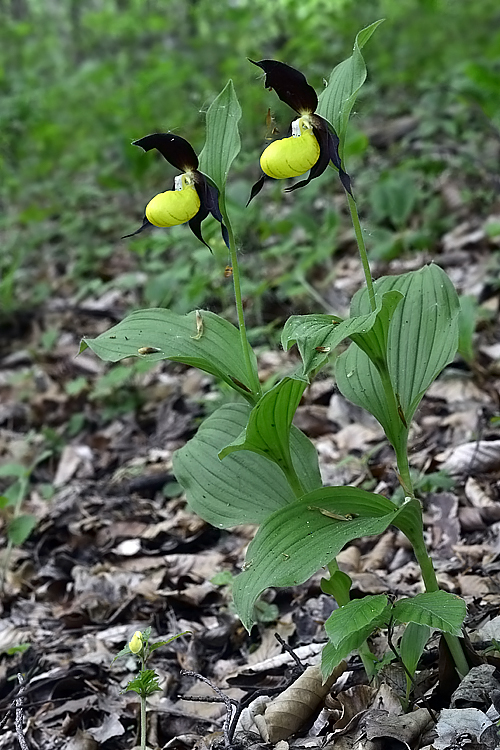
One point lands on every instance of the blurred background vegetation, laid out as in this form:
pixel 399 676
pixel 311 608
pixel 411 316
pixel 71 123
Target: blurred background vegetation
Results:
pixel 81 79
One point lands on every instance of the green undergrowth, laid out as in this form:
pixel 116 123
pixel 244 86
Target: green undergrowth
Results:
pixel 80 81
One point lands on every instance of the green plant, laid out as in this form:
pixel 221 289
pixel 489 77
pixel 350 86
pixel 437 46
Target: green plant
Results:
pixel 146 681
pixel 248 463
pixel 19 525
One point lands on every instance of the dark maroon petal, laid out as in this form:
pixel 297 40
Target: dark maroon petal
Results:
pixel 209 201
pixel 257 187
pixel 145 225
pixel 176 150
pixel 195 225
pixel 290 85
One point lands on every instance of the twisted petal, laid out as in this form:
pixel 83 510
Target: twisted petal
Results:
pixel 290 85
pixel 176 150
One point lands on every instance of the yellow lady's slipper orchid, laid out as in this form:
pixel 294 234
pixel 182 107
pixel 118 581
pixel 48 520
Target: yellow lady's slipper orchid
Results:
pixel 290 157
pixel 174 206
pixel 313 142
pixel 135 644
pixel 193 197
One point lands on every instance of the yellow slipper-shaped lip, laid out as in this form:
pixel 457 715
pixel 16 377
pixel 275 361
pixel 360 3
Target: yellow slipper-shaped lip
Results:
pixel 291 157
pixel 174 206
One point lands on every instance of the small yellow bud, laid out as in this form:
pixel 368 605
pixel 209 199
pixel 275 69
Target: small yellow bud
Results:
pixel 174 206
pixel 135 644
pixel 291 157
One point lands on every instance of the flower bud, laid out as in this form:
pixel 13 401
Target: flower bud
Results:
pixel 291 157
pixel 174 206
pixel 135 644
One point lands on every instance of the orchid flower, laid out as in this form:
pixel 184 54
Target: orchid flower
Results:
pixel 193 197
pixel 312 144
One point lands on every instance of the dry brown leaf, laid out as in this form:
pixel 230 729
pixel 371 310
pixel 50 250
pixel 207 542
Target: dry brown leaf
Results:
pixel 381 554
pixel 295 706
pixel 445 528
pixel 479 457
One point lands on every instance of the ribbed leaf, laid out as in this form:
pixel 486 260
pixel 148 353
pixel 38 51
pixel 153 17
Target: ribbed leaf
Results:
pixel 244 487
pixel 317 336
pixel 353 623
pixel 337 100
pixel 411 648
pixel 200 339
pixel 437 609
pixel 222 143
pixel 268 429
pixel 296 541
pixel 422 339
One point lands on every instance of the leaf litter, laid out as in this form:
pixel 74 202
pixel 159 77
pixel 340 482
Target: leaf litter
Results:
pixel 115 549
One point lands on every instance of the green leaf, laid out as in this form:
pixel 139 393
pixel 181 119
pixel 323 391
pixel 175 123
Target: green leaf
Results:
pixel 314 334
pixel 351 624
pixel 153 646
pixel 422 339
pixel 268 430
pixel 299 539
pixel 338 585
pixel 222 143
pixel 467 321
pixel 19 529
pixel 200 339
pixel 437 609
pixel 13 470
pixel 244 487
pixel 337 100
pixel 411 648
pixel 145 684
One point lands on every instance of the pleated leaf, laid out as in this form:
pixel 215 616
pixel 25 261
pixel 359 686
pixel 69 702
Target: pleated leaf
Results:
pixel 422 338
pixel 437 609
pixel 200 339
pixel 411 648
pixel 268 428
pixel 222 143
pixel 346 79
pixel 351 624
pixel 317 336
pixel 244 487
pixel 296 541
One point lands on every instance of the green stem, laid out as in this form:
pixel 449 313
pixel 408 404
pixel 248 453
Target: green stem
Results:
pixel 143 722
pixel 362 249
pixel 431 584
pixel 253 376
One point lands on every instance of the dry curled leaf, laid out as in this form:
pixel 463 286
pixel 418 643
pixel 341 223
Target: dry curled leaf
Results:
pixel 479 457
pixel 291 710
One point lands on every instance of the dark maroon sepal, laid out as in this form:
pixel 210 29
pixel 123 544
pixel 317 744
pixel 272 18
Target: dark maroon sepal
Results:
pixel 257 187
pixel 176 150
pixel 290 85
pixel 145 225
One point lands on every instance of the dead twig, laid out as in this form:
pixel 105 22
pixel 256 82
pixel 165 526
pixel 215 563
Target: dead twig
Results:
pixel 229 703
pixel 19 721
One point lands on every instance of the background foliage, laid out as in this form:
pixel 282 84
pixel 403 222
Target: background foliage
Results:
pixel 80 80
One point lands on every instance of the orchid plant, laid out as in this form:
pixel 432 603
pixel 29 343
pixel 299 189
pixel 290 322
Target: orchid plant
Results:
pixel 248 463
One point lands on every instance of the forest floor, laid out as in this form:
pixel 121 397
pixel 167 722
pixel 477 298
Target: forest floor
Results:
pixel 115 549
